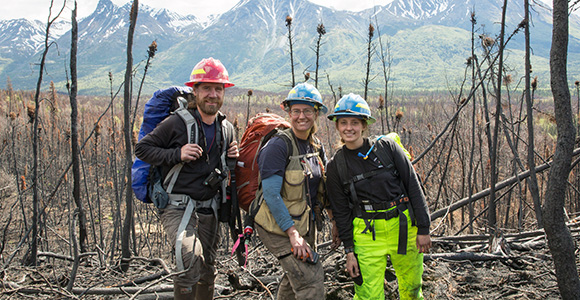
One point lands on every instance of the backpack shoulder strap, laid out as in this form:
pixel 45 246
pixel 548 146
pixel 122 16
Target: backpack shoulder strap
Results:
pixel 383 153
pixel 181 102
pixel 190 124
pixel 288 137
pixel 192 137
pixel 347 183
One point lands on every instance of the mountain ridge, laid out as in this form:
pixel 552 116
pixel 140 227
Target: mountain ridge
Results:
pixel 428 39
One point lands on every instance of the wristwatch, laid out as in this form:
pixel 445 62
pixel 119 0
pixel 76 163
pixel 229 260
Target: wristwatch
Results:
pixel 348 250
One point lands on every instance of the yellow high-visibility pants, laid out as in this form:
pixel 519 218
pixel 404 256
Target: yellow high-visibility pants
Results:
pixel 372 259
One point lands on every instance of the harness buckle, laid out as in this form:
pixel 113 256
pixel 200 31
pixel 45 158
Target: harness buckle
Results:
pixel 178 200
pixel 358 177
pixel 367 205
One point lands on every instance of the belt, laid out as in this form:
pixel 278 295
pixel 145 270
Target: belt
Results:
pixel 182 200
pixel 402 204
pixel 387 215
pixel 368 206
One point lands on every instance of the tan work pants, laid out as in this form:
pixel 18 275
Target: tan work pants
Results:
pixel 301 280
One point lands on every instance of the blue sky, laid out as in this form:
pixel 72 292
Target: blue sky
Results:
pixel 38 9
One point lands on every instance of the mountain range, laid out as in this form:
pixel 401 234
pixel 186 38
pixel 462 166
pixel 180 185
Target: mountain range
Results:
pixel 428 42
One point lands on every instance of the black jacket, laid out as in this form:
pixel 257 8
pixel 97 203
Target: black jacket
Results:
pixel 382 187
pixel 162 147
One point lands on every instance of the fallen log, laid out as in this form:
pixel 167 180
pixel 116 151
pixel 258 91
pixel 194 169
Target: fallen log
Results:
pixel 64 257
pixel 12 287
pixel 471 256
pixel 528 246
pixel 142 279
pixel 122 290
pixel 510 237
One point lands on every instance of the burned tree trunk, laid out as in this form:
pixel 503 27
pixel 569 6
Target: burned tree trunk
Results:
pixel 532 181
pixel 127 130
pixel 74 136
pixel 559 238
pixel 30 257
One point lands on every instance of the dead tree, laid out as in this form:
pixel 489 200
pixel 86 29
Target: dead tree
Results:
pixel 370 47
pixel 250 93
pixel 471 62
pixel 321 31
pixel 115 174
pixel 533 180
pixel 150 55
pixel 492 217
pixel 30 257
pixel 559 238
pixel 74 136
pixel 127 130
pixel 387 62
pixel 484 193
pixel 289 25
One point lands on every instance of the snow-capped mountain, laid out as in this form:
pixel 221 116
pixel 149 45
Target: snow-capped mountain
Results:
pixel 107 23
pixel 176 22
pixel 21 37
pixel 429 39
pixel 418 9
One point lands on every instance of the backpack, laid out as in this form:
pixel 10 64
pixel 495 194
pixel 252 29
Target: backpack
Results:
pixel 146 179
pixel 258 131
pixel 395 137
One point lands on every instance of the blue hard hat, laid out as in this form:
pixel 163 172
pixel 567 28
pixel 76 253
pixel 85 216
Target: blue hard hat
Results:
pixel 304 93
pixel 352 105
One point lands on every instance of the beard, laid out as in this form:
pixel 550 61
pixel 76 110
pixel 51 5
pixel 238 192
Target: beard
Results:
pixel 209 109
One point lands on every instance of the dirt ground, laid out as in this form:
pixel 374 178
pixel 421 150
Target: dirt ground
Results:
pixel 515 273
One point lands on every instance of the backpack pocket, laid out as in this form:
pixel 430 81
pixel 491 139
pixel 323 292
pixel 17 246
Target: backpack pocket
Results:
pixel 155 189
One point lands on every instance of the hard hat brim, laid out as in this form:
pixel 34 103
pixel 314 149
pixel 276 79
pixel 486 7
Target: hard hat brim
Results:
pixel 291 101
pixel 226 84
pixel 334 117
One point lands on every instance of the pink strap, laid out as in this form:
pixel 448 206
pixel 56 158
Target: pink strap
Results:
pixel 237 244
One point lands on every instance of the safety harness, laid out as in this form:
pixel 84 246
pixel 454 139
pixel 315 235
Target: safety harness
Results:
pixel 181 200
pixel 368 210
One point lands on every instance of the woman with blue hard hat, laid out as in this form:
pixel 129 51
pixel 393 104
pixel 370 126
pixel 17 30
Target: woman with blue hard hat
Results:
pixel 378 205
pixel 292 176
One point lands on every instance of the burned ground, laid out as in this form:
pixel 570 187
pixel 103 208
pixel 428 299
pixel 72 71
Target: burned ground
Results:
pixel 521 267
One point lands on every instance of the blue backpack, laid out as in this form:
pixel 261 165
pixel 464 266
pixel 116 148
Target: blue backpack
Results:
pixel 164 102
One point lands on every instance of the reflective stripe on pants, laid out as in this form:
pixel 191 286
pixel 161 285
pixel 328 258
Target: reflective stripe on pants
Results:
pixel 372 259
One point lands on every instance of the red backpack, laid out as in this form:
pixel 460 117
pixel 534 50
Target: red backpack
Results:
pixel 259 130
